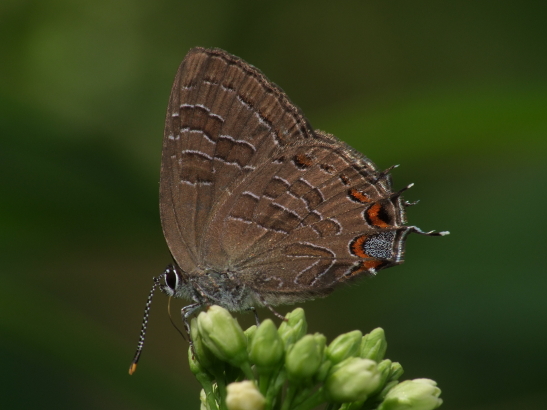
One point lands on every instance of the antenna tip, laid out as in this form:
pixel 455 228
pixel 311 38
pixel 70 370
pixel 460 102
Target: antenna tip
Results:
pixel 132 368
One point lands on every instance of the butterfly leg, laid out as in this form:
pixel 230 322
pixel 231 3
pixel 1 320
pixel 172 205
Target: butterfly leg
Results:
pixel 257 319
pixel 186 312
pixel 266 304
pixel 279 315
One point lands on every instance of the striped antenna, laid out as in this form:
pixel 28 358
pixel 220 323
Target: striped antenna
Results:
pixel 140 345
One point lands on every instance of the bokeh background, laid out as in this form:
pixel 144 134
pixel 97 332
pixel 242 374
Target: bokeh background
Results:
pixel 455 92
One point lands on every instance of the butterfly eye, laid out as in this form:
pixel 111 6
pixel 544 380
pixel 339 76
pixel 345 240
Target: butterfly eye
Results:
pixel 172 279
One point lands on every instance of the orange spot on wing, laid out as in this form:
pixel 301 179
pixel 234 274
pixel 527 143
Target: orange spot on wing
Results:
pixel 303 161
pixel 374 218
pixel 357 247
pixel 365 267
pixel 359 196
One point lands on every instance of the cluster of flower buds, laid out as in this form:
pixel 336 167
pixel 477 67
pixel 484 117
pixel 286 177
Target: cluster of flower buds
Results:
pixel 284 368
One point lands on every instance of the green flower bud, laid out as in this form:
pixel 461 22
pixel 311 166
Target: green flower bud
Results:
pixel 304 358
pixel 321 341
pixel 344 346
pixel 207 360
pixel 354 379
pixel 389 385
pixel 249 333
pixel 203 400
pixel 417 394
pixel 396 371
pixel 222 334
pixel 206 381
pixel 266 348
pixel 323 371
pixel 384 369
pixel 389 373
pixel 374 345
pixel 196 366
pixel 294 327
pixel 244 396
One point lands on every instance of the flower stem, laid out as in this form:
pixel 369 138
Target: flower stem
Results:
pixel 289 397
pixel 221 388
pixel 313 401
pixel 246 367
pixel 264 382
pixel 274 388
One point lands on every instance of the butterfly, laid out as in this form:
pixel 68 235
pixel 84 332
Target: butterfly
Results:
pixel 257 207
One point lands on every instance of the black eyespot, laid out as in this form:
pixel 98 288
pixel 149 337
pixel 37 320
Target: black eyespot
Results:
pixel 172 279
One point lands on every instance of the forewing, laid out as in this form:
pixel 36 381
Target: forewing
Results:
pixel 224 120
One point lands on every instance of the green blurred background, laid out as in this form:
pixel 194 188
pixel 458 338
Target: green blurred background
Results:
pixel 455 92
